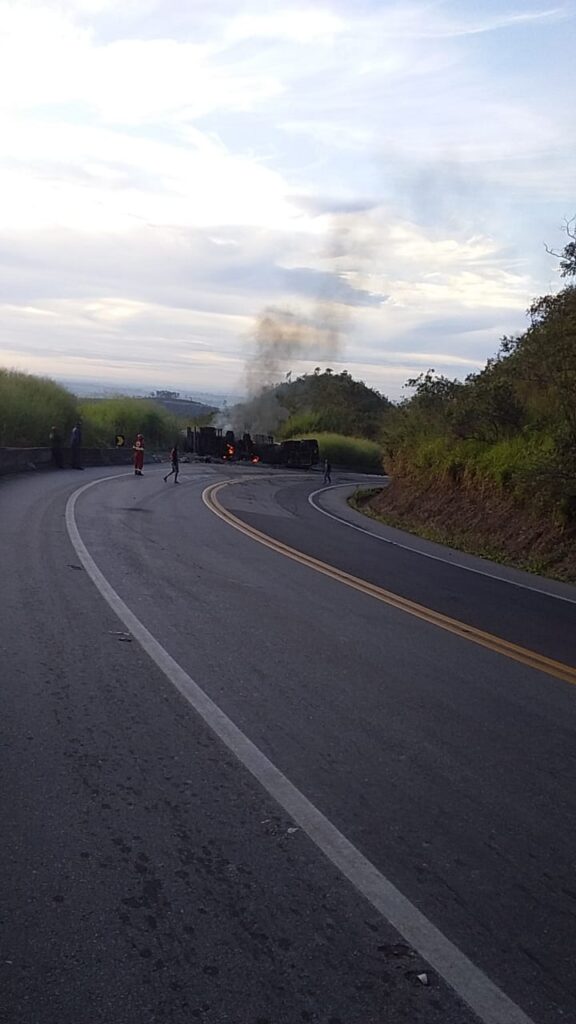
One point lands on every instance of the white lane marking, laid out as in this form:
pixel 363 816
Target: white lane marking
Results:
pixel 489 1003
pixel 426 554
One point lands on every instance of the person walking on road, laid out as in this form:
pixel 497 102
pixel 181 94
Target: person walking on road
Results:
pixel 138 449
pixel 327 472
pixel 56 448
pixel 76 445
pixel 175 461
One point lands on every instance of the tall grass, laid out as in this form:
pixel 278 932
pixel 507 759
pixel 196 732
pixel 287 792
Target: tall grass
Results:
pixel 103 419
pixel 512 464
pixel 30 406
pixel 353 452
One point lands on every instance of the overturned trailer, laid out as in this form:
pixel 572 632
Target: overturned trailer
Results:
pixel 214 443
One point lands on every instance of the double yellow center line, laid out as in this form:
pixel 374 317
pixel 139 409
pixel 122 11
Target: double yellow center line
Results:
pixel 531 659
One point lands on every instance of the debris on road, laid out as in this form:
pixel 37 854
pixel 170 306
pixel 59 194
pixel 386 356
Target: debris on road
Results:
pixel 121 635
pixel 396 949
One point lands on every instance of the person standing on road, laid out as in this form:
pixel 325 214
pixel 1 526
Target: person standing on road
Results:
pixel 76 445
pixel 175 461
pixel 327 472
pixel 138 449
pixel 56 448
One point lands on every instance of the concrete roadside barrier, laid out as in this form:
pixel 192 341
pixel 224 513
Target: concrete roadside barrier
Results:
pixel 21 460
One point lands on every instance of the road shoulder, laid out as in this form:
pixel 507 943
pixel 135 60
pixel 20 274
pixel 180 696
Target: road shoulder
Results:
pixel 334 501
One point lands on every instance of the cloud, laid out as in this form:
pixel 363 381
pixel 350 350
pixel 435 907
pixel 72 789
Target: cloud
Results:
pixel 323 205
pixel 170 170
pixel 174 292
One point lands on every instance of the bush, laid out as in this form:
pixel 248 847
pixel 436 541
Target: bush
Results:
pixel 352 452
pixel 30 406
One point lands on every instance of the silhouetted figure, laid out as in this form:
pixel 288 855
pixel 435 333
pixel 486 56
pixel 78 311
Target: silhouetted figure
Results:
pixel 56 448
pixel 76 445
pixel 138 448
pixel 327 472
pixel 175 461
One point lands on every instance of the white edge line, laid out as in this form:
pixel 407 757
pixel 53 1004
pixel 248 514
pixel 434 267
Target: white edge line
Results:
pixel 426 554
pixel 467 980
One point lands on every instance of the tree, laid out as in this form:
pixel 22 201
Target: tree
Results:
pixel 431 406
pixel 568 255
pixel 332 401
pixel 488 407
pixel 543 361
pixel 432 390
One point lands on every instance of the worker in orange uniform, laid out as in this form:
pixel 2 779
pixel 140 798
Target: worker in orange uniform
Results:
pixel 138 449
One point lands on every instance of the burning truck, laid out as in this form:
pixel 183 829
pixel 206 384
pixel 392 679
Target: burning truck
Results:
pixel 214 443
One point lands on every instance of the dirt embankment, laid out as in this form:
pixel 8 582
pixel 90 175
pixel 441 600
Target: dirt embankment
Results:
pixel 489 524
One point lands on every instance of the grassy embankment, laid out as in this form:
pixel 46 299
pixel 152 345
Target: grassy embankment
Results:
pixel 493 501
pixel 509 501
pixel 489 465
pixel 30 406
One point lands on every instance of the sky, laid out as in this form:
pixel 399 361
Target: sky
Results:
pixel 385 175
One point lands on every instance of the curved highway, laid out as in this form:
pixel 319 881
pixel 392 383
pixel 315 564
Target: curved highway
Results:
pixel 226 769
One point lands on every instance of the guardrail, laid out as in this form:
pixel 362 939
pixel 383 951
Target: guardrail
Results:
pixel 21 460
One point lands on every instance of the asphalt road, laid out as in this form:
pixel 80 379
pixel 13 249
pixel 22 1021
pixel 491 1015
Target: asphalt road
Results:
pixel 147 877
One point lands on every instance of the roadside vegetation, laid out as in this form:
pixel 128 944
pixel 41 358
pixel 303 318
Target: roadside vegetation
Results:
pixel 489 463
pixel 510 428
pixel 30 406
pixel 103 419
